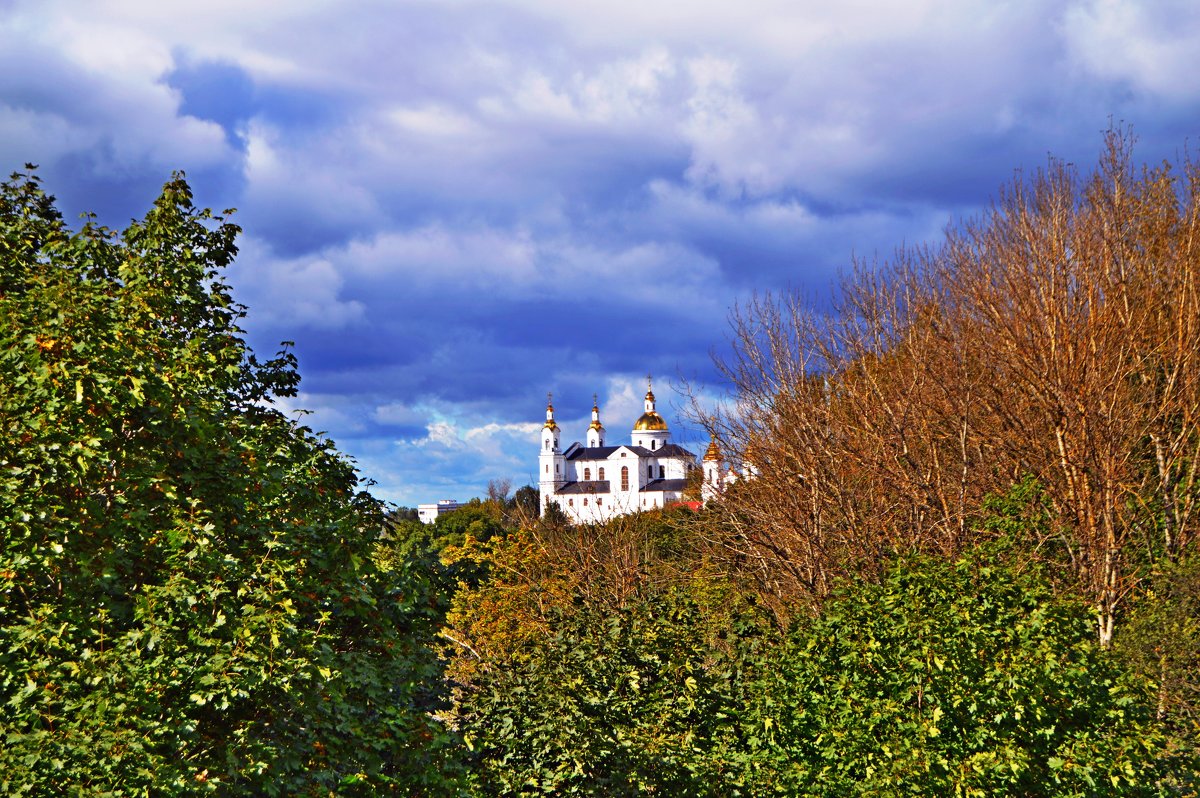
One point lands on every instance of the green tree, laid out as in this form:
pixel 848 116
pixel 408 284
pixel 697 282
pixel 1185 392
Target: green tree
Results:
pixel 525 505
pixel 190 604
pixel 960 678
pixel 1161 640
pixel 611 703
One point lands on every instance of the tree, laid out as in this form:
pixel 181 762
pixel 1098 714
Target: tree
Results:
pixel 190 604
pixel 966 677
pixel 612 703
pixel 1053 337
pixel 1161 641
pixel 525 506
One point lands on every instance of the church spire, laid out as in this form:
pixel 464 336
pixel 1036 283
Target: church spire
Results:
pixel 595 435
pixel 550 413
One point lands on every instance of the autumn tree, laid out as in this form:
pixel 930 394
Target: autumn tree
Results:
pixel 1055 337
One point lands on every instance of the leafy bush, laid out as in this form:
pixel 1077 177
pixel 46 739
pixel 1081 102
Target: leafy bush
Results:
pixel 627 702
pixel 955 678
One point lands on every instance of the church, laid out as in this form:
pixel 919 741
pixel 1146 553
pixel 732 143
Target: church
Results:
pixel 595 482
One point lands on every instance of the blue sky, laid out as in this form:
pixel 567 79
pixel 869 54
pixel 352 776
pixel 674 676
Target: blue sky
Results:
pixel 454 207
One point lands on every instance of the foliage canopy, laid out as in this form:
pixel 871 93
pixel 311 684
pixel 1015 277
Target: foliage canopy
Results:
pixel 189 602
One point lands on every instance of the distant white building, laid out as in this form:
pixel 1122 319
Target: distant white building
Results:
pixel 428 513
pixel 595 482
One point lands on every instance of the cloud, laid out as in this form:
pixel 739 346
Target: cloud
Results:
pixel 398 414
pixel 289 293
pixel 1149 46
pixel 454 207
pixel 456 458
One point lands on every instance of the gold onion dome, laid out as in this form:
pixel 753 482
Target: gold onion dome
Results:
pixel 713 452
pixel 549 415
pixel 650 421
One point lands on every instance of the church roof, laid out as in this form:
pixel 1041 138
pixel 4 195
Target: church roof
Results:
pixel 590 452
pixel 673 485
pixel 594 486
pixel 671 450
pixel 578 452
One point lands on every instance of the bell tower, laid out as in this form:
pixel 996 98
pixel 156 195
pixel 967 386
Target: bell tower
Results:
pixel 550 458
pixel 595 433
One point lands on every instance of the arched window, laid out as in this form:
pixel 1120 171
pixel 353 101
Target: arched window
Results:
pixel 600 476
pixel 653 444
pixel 585 502
pixel 662 472
pixel 570 502
pixel 650 472
pixel 599 500
pixel 587 475
pixel 624 477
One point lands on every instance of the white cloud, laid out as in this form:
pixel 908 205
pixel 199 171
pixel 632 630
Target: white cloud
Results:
pixel 398 414
pixel 113 104
pixel 1152 46
pixel 292 292
pixel 433 121
pixel 456 459
pixel 327 413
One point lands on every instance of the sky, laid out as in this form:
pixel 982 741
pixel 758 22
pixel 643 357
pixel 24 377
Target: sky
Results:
pixel 453 208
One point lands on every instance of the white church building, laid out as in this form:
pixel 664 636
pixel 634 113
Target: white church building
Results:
pixel 595 482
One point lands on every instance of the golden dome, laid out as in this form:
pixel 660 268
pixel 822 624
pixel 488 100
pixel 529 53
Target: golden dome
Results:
pixel 650 421
pixel 596 426
pixel 550 424
pixel 713 452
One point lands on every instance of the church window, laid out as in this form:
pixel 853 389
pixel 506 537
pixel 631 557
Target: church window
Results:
pixel 653 444
pixel 624 477
pixel 650 472
pixel 587 474
pixel 600 476
pixel 547 468
pixel 585 502
pixel 599 500
pixel 556 468
pixel 570 502
pixel 662 472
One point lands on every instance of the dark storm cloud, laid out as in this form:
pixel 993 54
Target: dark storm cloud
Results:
pixel 455 207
